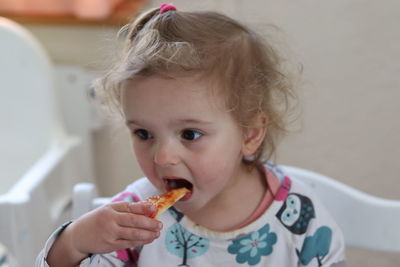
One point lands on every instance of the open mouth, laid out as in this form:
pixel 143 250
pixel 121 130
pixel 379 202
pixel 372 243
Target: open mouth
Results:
pixel 177 183
pixel 171 183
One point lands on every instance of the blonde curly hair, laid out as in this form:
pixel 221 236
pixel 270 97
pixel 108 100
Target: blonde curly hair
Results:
pixel 244 68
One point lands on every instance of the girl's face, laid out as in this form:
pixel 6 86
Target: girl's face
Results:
pixel 183 137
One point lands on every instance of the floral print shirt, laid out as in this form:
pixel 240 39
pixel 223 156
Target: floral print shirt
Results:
pixel 296 230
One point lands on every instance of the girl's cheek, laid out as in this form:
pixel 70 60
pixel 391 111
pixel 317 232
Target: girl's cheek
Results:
pixel 144 159
pixel 141 149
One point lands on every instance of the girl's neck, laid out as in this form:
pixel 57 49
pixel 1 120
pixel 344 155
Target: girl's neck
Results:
pixel 237 204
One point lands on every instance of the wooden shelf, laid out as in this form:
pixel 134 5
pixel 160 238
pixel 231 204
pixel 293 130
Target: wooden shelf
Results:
pixel 120 16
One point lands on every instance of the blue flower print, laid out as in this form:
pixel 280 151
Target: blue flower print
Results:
pixel 251 247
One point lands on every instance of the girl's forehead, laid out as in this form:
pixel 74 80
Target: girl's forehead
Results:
pixel 166 94
pixel 182 86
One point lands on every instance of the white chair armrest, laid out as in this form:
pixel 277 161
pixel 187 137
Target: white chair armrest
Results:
pixel 83 195
pixel 85 199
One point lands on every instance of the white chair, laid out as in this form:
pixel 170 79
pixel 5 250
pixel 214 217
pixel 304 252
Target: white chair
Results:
pixel 368 222
pixel 39 169
pixel 85 199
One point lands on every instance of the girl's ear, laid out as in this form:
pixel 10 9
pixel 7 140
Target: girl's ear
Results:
pixel 254 135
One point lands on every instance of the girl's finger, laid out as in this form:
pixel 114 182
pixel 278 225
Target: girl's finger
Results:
pixel 137 235
pixel 138 221
pixel 121 206
pixel 142 208
pixel 136 208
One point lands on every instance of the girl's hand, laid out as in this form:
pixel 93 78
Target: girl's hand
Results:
pixel 114 226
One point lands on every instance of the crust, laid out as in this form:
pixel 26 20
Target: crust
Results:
pixel 166 200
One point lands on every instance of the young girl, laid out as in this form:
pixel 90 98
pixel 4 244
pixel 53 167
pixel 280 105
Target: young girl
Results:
pixel 204 98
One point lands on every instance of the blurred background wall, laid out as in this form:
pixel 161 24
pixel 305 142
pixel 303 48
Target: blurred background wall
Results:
pixel 349 93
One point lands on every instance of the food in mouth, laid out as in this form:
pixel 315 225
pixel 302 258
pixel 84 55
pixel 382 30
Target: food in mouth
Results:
pixel 177 183
pixel 166 200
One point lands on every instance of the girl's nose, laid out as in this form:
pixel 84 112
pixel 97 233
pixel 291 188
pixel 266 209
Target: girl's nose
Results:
pixel 166 155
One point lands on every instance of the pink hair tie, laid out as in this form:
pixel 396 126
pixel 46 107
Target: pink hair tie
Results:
pixel 166 7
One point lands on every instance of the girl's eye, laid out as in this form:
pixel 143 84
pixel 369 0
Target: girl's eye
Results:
pixel 142 134
pixel 191 135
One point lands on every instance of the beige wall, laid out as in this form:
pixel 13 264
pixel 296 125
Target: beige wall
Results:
pixel 350 91
pixel 349 50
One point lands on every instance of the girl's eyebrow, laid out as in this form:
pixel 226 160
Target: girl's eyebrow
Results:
pixel 180 121
pixel 129 122
pixel 194 121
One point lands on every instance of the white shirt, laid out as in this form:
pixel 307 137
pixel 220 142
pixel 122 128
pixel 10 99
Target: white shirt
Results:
pixel 296 230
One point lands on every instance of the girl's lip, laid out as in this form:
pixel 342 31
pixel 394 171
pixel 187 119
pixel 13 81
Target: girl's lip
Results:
pixel 187 196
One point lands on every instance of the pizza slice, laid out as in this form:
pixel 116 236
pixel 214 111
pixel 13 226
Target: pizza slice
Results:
pixel 166 200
